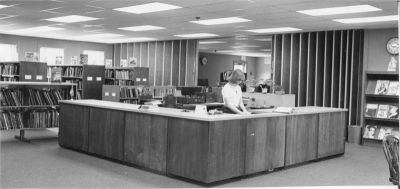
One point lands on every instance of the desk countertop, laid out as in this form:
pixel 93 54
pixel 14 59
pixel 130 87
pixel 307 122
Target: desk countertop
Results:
pixel 178 113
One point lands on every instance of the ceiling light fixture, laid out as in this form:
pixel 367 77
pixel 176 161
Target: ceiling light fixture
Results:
pixel 71 19
pixel 36 30
pixel 127 40
pixel 147 8
pixel 227 20
pixel 142 28
pixel 244 46
pixel 264 39
pixel 274 30
pixel 3 6
pixel 210 42
pixel 368 19
pixel 339 10
pixel 195 35
pixel 267 50
pixel 100 35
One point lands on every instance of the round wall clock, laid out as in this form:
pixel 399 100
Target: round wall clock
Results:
pixel 204 60
pixel 392 46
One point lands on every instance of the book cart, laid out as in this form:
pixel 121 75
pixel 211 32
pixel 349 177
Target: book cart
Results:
pixel 381 116
pixel 31 105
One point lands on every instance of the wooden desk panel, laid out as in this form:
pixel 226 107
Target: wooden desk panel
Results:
pixel 331 134
pixel 106 133
pixel 301 138
pixel 188 148
pixel 73 131
pixel 146 140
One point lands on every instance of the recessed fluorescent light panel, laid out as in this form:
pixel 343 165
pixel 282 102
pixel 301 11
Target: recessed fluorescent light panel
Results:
pixel 274 30
pixel 3 6
pixel 244 46
pixel 101 35
pixel 127 40
pixel 368 19
pixel 37 30
pixel 228 20
pixel 264 39
pixel 71 19
pixel 339 10
pixel 194 35
pixel 266 50
pixel 210 42
pixel 142 28
pixel 147 8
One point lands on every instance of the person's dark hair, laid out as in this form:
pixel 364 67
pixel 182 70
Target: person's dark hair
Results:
pixel 236 76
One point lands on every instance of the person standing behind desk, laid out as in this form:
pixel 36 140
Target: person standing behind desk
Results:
pixel 232 94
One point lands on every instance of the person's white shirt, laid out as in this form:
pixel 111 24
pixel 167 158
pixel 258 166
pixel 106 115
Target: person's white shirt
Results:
pixel 233 93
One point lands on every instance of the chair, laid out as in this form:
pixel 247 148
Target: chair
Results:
pixel 391 150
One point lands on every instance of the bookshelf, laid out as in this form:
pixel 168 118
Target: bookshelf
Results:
pixel 381 105
pixel 31 105
pixel 127 76
pixel 88 78
pixel 23 71
pixel 134 94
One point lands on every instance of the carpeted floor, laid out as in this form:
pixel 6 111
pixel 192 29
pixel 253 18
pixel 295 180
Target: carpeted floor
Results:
pixel 44 164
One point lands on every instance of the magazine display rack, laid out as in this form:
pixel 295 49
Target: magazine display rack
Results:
pixel 381 116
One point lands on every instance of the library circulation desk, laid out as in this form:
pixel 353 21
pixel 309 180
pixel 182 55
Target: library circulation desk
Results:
pixel 204 148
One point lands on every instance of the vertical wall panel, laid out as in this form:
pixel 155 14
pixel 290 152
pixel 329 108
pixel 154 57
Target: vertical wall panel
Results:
pixel 303 70
pixel 175 62
pixel 277 59
pixel 325 68
pixel 182 66
pixel 159 63
pixel 191 63
pixel 152 62
pixel 335 70
pixel 311 69
pixel 320 69
pixel 136 52
pixel 167 63
pixel 328 69
pixel 285 68
pixel 295 65
pixel 117 54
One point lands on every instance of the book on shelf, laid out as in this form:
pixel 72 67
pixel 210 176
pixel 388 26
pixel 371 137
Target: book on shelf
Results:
pixel 381 87
pixel 55 75
pixel 9 69
pixel 371 85
pixel 383 131
pixel 371 110
pixel 393 88
pixel 11 120
pixel 383 110
pixel 393 112
pixel 371 131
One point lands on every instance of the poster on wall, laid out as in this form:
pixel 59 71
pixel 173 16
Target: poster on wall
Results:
pixel 74 60
pixel 59 60
pixel 392 66
pixel 123 63
pixel 109 62
pixel 132 61
pixel 83 59
pixel 31 56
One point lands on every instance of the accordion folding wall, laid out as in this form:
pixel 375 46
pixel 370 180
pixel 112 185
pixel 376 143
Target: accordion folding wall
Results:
pixel 322 68
pixel 171 62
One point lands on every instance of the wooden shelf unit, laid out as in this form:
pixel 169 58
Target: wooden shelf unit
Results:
pixel 136 76
pixel 23 71
pixel 370 98
pixel 89 79
pixel 25 116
